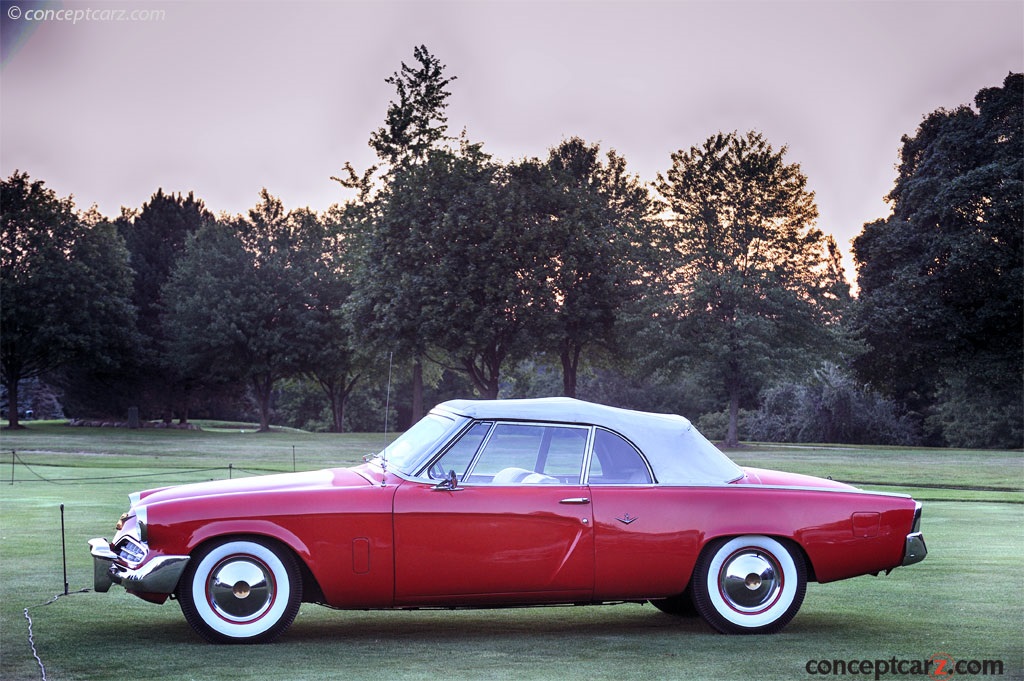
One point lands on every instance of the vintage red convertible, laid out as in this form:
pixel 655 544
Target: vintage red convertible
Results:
pixel 509 502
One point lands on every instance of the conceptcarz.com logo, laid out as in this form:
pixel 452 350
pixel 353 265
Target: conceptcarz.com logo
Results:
pixel 937 666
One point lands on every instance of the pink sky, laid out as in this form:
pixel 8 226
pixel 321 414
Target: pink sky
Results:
pixel 224 98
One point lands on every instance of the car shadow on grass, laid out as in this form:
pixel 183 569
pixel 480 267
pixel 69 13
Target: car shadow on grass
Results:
pixel 443 627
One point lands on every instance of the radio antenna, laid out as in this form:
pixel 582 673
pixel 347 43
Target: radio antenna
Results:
pixel 387 408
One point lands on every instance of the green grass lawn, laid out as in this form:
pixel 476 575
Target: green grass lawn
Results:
pixel 963 602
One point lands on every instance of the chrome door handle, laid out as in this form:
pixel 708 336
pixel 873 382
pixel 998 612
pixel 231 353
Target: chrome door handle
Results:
pixel 575 500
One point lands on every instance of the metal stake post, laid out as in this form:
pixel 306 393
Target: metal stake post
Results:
pixel 64 550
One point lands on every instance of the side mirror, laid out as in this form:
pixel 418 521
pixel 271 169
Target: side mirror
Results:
pixel 451 483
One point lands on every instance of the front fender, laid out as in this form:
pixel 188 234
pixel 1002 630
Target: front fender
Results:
pixel 261 528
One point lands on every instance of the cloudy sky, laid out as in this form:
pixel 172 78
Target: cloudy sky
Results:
pixel 224 98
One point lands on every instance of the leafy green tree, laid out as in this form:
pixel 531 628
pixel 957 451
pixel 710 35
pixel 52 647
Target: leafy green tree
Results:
pixel 446 265
pixel 238 308
pixel 65 287
pixel 415 124
pixel 598 257
pixel 207 288
pixel 334 358
pixel 155 237
pixel 941 304
pixel 754 284
pixel 485 292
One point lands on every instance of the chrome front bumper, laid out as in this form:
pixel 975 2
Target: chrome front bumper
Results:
pixel 158 576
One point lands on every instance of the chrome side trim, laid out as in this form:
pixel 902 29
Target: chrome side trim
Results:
pixel 802 488
pixel 159 576
pixel 915 550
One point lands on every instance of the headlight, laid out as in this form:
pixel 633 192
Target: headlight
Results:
pixel 130 550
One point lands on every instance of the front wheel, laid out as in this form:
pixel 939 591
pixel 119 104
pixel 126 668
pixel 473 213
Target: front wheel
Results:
pixel 749 585
pixel 241 591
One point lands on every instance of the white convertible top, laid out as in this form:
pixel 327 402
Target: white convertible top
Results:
pixel 677 452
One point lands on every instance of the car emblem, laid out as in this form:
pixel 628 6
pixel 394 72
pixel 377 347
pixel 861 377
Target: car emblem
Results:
pixel 626 519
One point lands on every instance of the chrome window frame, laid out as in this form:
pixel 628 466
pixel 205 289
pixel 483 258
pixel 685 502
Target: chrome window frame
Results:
pixel 588 453
pixel 643 459
pixel 423 473
pixel 496 423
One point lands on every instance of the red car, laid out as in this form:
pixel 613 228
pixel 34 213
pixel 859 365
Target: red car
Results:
pixel 509 502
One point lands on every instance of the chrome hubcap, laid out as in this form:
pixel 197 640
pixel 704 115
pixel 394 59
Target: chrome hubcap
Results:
pixel 750 581
pixel 240 589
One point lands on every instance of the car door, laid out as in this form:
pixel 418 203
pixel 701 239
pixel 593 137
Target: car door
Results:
pixel 517 528
pixel 646 536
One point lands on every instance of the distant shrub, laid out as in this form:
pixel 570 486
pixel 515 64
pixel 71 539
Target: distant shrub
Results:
pixel 829 406
pixel 301 403
pixel 972 411
pixel 714 425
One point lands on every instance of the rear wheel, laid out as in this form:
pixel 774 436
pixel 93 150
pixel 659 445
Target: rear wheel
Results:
pixel 749 585
pixel 241 591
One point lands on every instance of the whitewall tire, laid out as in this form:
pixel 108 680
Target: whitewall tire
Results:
pixel 749 585
pixel 241 591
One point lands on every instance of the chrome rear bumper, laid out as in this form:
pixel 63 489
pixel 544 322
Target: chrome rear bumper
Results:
pixel 915 550
pixel 160 575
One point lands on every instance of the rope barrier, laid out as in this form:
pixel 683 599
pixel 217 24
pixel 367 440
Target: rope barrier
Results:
pixel 15 459
pixel 230 468
pixel 31 636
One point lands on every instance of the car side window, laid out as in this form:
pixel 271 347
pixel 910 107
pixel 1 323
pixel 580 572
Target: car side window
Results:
pixel 616 462
pixel 531 454
pixel 461 453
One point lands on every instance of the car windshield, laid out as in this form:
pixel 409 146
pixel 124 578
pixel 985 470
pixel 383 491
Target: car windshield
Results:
pixel 415 444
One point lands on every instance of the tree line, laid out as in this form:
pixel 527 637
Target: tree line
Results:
pixel 708 292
